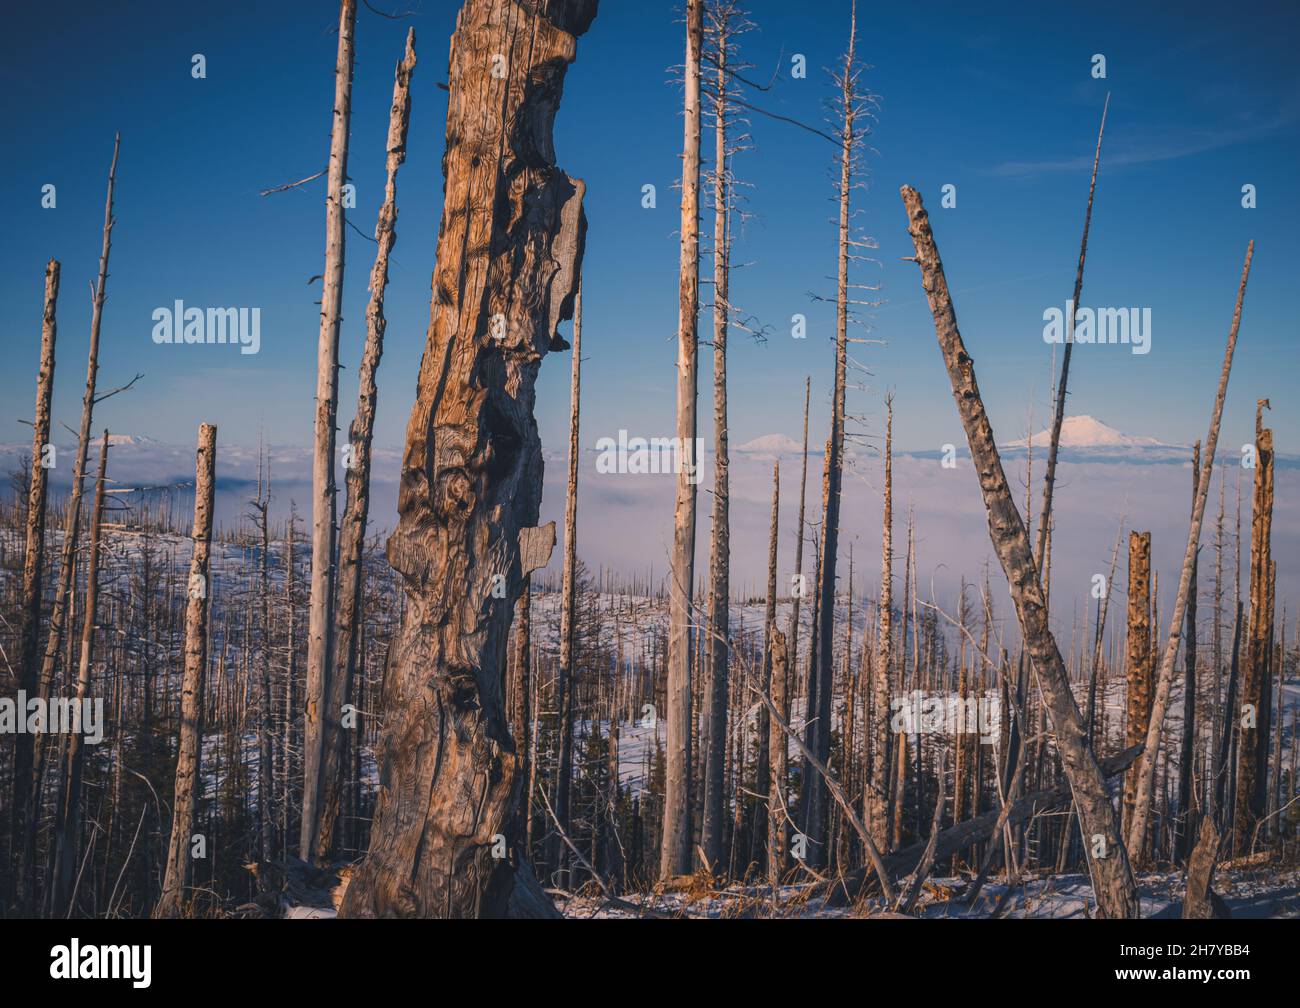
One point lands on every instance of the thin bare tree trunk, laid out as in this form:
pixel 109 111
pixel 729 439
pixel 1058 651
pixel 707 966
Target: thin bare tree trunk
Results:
pixel 352 537
pixel 1164 680
pixel 879 776
pixel 189 786
pixel 713 820
pixel 1053 446
pixel 797 586
pixel 568 684
pixel 1184 830
pixel 67 828
pixel 59 614
pixel 818 806
pixel 320 623
pixel 1116 889
pixel 779 748
pixel 675 849
pixel 508 260
pixel 33 573
pixel 762 764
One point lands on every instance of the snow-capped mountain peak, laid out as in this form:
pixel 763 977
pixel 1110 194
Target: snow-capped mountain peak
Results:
pixel 1086 432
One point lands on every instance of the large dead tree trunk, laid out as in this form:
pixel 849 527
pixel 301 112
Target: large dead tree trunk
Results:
pixel 320 623
pixel 1116 890
pixel 1164 680
pixel 352 537
pixel 1252 712
pixel 34 565
pixel 67 826
pixel 508 260
pixel 189 787
pixel 1138 668
pixel 68 556
pixel 675 848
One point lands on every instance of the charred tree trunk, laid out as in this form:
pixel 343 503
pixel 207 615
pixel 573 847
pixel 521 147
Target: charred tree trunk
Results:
pixel 320 623
pixel 675 849
pixel 352 538
pixel 189 786
pixel 508 260
pixel 1116 889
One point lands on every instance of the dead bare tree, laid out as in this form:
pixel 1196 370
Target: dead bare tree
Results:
pixel 878 777
pixel 566 685
pixel 176 877
pixel 59 614
pixel 1164 679
pixel 320 623
pixel 33 569
pixel 67 826
pixel 675 847
pixel 352 535
pixel 1113 878
pixel 509 257
pixel 1256 688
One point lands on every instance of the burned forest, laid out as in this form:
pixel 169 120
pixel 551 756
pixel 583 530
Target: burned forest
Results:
pixel 663 528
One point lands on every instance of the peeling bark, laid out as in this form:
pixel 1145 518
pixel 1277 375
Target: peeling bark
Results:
pixel 509 255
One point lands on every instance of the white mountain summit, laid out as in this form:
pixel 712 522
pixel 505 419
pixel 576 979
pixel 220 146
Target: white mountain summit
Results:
pixel 1087 432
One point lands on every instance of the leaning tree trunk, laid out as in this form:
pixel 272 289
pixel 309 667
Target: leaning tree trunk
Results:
pixel 67 827
pixel 188 782
pixel 320 625
pixel 352 537
pixel 34 559
pixel 1116 890
pixel 68 556
pixel 675 848
pixel 508 259
pixel 1164 680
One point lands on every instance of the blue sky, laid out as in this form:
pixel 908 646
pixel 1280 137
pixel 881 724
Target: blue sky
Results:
pixel 999 103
